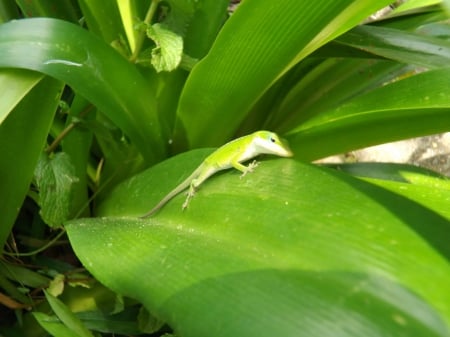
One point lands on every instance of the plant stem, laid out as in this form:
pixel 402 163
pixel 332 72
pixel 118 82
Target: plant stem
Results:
pixel 142 34
pixel 41 249
pixel 66 131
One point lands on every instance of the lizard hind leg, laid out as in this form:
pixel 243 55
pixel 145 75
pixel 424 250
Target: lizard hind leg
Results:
pixel 190 194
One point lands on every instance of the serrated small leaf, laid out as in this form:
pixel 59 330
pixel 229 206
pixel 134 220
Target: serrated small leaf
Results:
pixel 167 54
pixel 54 179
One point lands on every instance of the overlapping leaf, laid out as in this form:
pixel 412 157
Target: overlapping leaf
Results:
pixel 22 138
pixel 260 43
pixel 276 249
pixel 93 69
pixel 420 106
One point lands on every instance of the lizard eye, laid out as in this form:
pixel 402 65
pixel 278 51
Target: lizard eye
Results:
pixel 272 140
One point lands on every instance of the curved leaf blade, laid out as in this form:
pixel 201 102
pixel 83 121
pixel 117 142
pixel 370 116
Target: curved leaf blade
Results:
pixel 24 132
pixel 14 85
pixel 327 85
pixel 277 229
pixel 420 106
pixel 253 50
pixel 95 70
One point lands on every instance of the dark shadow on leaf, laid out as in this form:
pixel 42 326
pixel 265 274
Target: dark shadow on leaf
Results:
pixel 434 229
pixel 274 302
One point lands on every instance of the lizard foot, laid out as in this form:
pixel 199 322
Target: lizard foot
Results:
pixel 250 168
pixel 190 194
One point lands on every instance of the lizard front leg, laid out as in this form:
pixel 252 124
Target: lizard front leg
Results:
pixel 250 168
pixel 245 169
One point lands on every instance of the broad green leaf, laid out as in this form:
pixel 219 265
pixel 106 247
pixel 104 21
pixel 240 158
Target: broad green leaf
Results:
pixel 92 68
pixel 22 137
pixel 166 56
pixel 55 178
pixel 261 41
pixel 14 85
pixel 274 253
pixel 420 106
pixel 173 175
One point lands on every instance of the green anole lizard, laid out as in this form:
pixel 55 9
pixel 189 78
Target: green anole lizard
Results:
pixel 231 154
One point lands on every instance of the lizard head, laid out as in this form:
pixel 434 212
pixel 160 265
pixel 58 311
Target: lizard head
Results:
pixel 270 143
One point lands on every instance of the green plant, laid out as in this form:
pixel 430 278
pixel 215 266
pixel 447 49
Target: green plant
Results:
pixel 309 251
